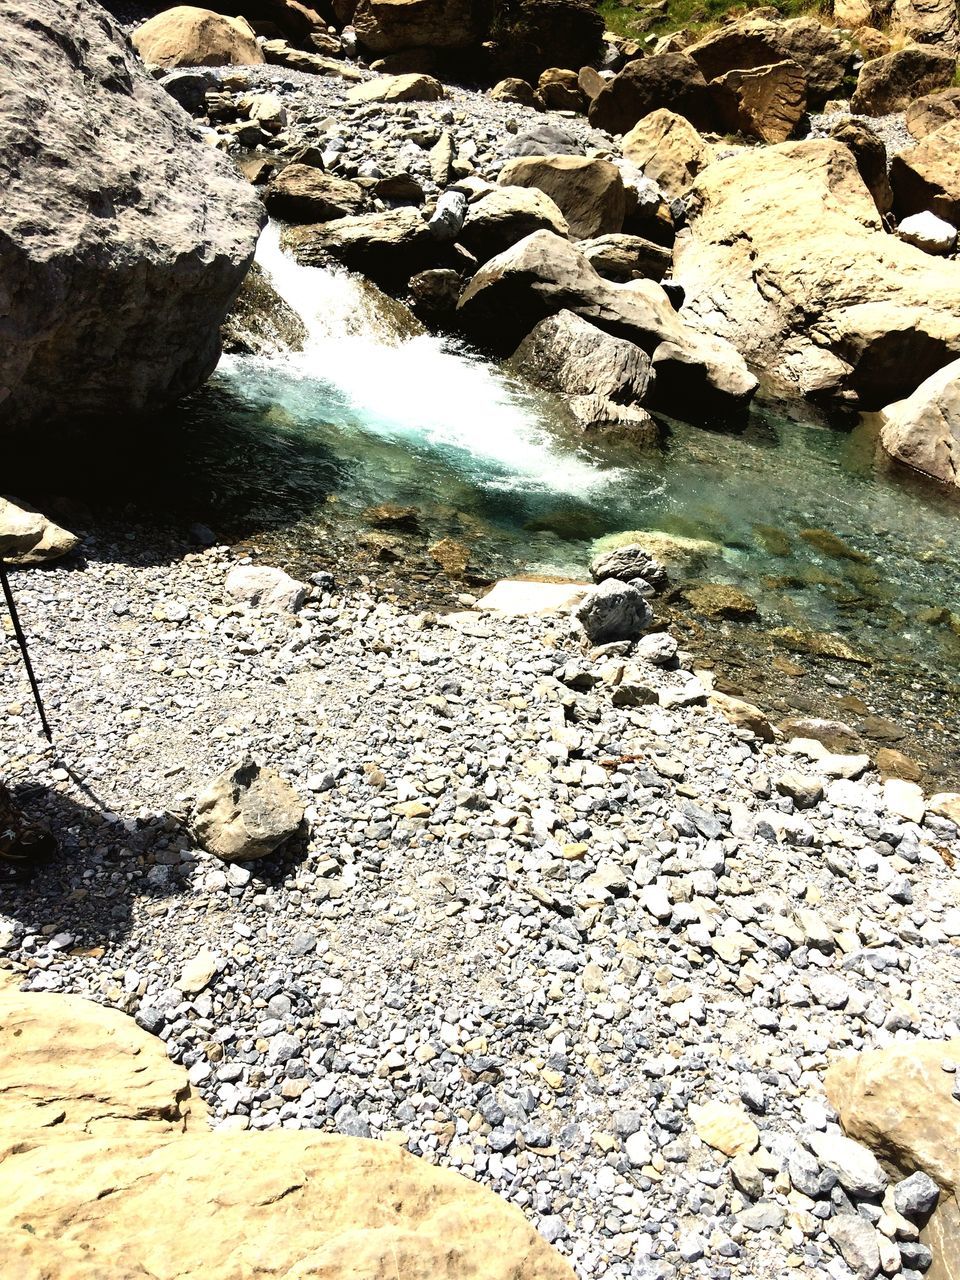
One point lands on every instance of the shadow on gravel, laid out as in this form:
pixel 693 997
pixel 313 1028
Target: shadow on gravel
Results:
pixel 103 864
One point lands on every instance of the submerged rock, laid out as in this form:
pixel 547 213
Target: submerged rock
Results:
pixel 246 813
pixel 124 237
pixel 260 322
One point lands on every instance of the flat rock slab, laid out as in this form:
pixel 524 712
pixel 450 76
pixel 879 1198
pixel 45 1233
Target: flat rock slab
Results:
pixel 516 597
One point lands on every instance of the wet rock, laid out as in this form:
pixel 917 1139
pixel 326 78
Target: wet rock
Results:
pixel 246 813
pixel 717 600
pixel 613 610
pixel 388 247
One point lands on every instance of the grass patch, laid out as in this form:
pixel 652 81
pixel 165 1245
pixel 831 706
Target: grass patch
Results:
pixel 637 21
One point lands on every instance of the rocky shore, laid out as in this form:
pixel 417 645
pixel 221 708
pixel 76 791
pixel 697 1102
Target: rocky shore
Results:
pixel 553 921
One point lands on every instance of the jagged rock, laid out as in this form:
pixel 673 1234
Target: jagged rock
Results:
pixel 599 413
pixel 263 587
pixel 93 1159
pixel 569 354
pixel 664 80
pixel 625 257
pixel 870 154
pixel 186 36
pixel 544 274
pixel 408 88
pixel 27 537
pixel 388 247
pixel 628 563
pixel 724 1127
pixel 934 22
pixel 924 430
pixel 282 54
pixel 932 112
pixel 762 102
pixel 927 176
pixel 504 215
pixel 301 193
pixel 928 232
pixel 246 813
pixel 260 322
pixel 892 82
pixel 613 610
pixel 844 310
pixel 125 238
pixel 668 149
pixel 589 193
pixel 754 42
pixel 544 140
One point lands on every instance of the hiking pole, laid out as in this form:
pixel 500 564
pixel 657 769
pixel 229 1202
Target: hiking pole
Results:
pixel 22 642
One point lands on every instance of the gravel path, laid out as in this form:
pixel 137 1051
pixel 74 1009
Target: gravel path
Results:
pixel 529 930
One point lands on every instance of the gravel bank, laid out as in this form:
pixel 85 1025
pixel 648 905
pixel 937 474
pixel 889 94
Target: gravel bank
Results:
pixel 529 928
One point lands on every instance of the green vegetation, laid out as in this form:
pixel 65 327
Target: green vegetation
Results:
pixel 638 20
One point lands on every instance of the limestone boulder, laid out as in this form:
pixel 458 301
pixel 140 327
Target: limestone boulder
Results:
pixel 932 111
pixel 923 431
pixel 893 82
pixel 589 193
pixel 567 353
pixel 928 232
pixel 544 274
pixel 123 236
pixel 668 149
pixel 932 22
pixel 93 1157
pixel 626 257
pixel 754 42
pixel 186 36
pixel 513 89
pixel 504 215
pixel 302 193
pixel 927 176
pixel 28 537
pixel 870 154
pixel 247 812
pixel 264 587
pixel 407 88
pixel 762 102
pixel 898 1102
pixel 559 89
pixel 48 1087
pixel 786 257
pixel 389 247
pixel 664 80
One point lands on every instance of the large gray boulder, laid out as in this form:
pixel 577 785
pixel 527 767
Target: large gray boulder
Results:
pixel 123 236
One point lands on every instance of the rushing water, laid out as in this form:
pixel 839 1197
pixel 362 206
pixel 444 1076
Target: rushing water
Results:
pixel 304 443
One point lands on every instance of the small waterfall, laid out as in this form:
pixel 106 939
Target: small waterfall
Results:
pixel 359 372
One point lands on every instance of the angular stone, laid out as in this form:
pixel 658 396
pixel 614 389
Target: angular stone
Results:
pixel 613 610
pixel 923 431
pixel 762 102
pixel 589 193
pixel 726 1128
pixel 405 88
pixel 302 193
pixel 264 587
pixel 857 1241
pixel 926 178
pixel 505 215
pixel 856 1168
pixel 246 812
pixel 668 149
pixel 893 82
pixel 665 80
pixel 569 354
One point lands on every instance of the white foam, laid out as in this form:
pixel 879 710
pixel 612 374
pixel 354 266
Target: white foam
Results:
pixel 423 391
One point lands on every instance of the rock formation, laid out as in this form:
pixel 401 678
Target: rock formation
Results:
pixel 123 237
pixel 101 1141
pixel 924 430
pixel 843 311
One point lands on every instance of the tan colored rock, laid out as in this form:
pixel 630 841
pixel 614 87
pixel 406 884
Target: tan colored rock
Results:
pixel 388 247
pixel 198 973
pixel 589 193
pixel 560 90
pixel 932 112
pixel 50 542
pixel 786 257
pixel 513 89
pixel 923 430
pixel 519 597
pixel 762 102
pixel 718 600
pixel 625 257
pixel 873 43
pixel 70 1068
pixel 725 1128
pixel 93 1161
pixel 186 36
pixel 668 149
pixel 946 804
pixel 855 14
pixel 743 714
pixel 247 812
pixel 870 154
pixel 892 82
pixel 927 176
pixel 505 215
pixel 408 88
pixel 302 193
